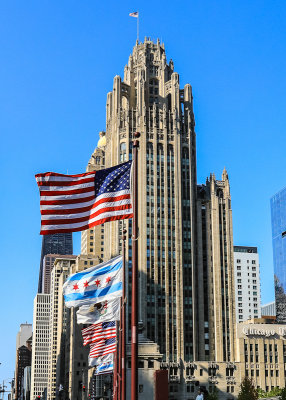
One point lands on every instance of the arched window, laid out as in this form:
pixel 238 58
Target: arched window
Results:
pixel 123 151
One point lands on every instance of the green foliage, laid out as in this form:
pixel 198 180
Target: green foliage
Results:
pixel 274 392
pixel 283 394
pixel 247 390
pixel 261 393
pixel 213 395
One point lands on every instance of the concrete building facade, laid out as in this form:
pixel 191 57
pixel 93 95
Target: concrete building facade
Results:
pixel 149 100
pixel 215 284
pixel 57 324
pixel 185 244
pixel 92 240
pixel 262 352
pixel 25 332
pixel 40 345
pixel 23 360
pixel 24 335
pixel 247 283
pixel 48 263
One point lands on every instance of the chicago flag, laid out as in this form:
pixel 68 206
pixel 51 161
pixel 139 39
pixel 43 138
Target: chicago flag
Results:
pixel 94 285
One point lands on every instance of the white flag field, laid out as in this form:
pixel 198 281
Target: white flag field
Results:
pixel 100 312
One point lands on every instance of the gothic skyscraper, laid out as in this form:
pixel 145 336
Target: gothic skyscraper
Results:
pixel 185 231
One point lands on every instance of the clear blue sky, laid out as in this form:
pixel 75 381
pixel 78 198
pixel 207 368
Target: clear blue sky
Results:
pixel 58 60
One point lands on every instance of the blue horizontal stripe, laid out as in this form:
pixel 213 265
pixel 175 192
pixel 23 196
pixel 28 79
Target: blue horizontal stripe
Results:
pixel 95 272
pixel 104 367
pixel 93 293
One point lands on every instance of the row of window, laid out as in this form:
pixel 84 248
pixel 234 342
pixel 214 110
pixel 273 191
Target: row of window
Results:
pixel 252 261
pixel 272 374
pixel 254 287
pixel 239 268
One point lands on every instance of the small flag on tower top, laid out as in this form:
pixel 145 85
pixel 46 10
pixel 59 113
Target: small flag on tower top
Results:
pixel 134 14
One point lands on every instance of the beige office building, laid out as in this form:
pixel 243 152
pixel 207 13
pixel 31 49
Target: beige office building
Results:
pixel 40 345
pixel 92 240
pixel 57 324
pixel 185 230
pixel 76 370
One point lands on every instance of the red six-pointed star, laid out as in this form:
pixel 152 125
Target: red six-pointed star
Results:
pixel 85 284
pixel 75 287
pixel 97 282
pixel 108 279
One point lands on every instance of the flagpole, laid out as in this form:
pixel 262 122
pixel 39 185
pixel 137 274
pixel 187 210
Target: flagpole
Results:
pixel 138 28
pixel 118 355
pixel 119 364
pixel 115 397
pixel 123 321
pixel 134 311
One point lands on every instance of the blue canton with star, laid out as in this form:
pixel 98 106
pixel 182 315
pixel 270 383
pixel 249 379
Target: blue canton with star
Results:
pixel 112 179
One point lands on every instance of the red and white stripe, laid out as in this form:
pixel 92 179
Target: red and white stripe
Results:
pixel 68 203
pixel 95 332
pixel 100 349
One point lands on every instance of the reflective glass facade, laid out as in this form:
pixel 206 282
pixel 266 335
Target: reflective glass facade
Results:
pixel 58 243
pixel 278 219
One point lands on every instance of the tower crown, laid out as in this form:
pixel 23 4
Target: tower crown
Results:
pixel 148 60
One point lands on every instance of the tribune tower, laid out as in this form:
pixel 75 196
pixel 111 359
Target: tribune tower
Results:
pixel 185 230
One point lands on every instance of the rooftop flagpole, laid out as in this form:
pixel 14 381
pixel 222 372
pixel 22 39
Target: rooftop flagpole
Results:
pixel 135 14
pixel 134 308
pixel 138 27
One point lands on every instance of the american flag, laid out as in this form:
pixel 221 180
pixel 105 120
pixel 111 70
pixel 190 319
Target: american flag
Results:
pixel 134 14
pixel 96 332
pixel 71 203
pixel 102 348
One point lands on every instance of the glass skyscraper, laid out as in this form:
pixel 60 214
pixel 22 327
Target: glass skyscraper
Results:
pixel 58 243
pixel 278 219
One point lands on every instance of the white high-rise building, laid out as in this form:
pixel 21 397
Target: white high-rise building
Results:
pixel 40 345
pixel 23 335
pixel 247 283
pixel 58 317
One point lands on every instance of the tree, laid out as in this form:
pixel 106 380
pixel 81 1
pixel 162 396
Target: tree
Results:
pixel 283 394
pixel 213 395
pixel 247 390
